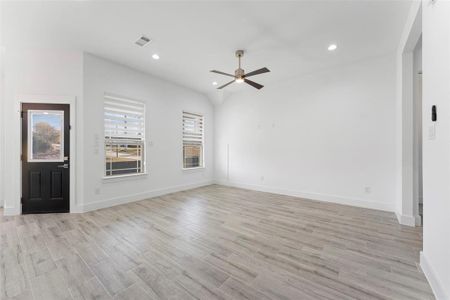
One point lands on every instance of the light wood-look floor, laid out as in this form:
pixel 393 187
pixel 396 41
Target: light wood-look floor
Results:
pixel 212 243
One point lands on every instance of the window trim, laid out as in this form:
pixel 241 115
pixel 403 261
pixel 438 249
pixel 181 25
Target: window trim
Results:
pixel 203 165
pixel 193 168
pixel 109 96
pixel 123 176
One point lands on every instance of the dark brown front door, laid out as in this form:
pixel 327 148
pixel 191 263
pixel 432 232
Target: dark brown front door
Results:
pixel 45 158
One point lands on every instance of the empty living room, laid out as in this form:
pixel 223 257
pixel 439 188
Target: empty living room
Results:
pixel 225 149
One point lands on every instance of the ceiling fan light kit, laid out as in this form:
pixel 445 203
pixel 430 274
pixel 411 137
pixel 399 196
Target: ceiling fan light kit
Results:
pixel 240 76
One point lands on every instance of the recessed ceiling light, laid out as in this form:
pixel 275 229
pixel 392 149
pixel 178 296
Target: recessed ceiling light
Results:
pixel 155 56
pixel 214 83
pixel 332 47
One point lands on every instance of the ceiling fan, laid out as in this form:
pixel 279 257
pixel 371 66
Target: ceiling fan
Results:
pixel 240 76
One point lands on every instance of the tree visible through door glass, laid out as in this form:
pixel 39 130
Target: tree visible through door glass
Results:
pixel 46 140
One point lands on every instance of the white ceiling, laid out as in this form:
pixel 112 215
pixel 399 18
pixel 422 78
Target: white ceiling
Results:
pixel 290 38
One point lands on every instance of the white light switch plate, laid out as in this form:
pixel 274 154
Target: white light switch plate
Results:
pixel 432 132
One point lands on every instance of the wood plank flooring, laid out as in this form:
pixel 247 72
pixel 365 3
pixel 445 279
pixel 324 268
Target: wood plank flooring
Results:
pixel 213 242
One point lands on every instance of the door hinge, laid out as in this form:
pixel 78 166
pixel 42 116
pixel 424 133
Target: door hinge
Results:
pixel 21 157
pixel 21 200
pixel 70 127
pixel 21 114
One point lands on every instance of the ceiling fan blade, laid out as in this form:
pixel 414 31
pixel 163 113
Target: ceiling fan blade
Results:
pixel 218 72
pixel 254 84
pixel 221 87
pixel 256 72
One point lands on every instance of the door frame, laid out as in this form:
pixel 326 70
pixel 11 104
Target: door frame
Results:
pixel 406 211
pixel 53 99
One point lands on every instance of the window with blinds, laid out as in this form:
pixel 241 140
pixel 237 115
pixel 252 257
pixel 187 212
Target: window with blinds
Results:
pixel 124 121
pixel 193 128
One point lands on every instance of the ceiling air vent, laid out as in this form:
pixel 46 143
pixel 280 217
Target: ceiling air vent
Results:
pixel 142 41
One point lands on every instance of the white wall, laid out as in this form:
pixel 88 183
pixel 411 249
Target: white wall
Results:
pixel 2 134
pixel 1 105
pixel 164 105
pixel 328 136
pixel 435 260
pixel 71 74
pixel 31 72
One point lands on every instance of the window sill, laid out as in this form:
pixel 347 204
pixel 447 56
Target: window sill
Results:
pixel 116 178
pixel 192 169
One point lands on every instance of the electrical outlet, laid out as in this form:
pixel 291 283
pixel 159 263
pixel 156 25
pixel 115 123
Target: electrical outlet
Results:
pixel 368 190
pixel 262 178
pixel 97 191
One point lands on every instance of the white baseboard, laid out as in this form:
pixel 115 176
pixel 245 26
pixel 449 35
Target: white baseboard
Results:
pixel 409 220
pixel 11 211
pixel 418 220
pixel 141 196
pixel 76 209
pixel 312 196
pixel 433 280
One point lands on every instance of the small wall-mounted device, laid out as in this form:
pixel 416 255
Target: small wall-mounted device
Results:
pixel 433 113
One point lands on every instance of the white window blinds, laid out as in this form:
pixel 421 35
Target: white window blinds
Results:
pixel 124 118
pixel 192 128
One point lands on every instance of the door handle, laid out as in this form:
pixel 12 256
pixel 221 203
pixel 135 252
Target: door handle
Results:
pixel 65 166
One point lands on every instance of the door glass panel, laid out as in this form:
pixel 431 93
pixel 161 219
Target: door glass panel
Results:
pixel 46 135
